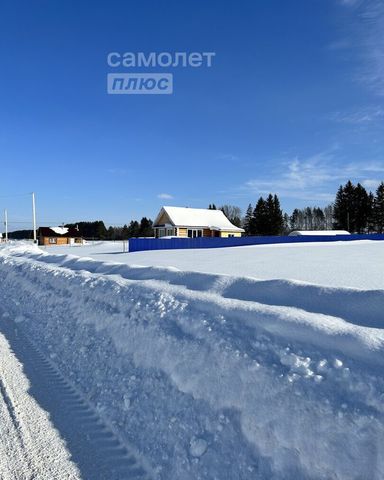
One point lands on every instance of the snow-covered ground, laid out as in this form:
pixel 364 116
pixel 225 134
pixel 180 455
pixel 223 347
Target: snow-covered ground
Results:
pixel 341 264
pixel 254 374
pixel 29 446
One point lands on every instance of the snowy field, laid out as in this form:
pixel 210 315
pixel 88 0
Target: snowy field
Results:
pixel 343 264
pixel 259 362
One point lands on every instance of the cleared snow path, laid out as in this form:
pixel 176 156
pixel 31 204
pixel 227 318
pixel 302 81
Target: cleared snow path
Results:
pixel 37 407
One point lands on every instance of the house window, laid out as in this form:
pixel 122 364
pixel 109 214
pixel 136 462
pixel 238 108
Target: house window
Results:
pixel 230 235
pixel 52 240
pixel 195 232
pixel 169 232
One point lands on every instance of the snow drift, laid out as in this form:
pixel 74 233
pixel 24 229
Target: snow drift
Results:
pixel 212 376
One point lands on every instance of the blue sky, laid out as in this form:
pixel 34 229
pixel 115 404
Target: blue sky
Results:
pixel 293 104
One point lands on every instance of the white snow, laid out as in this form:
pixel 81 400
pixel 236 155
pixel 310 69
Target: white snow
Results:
pixel 29 445
pixel 198 217
pixel 218 376
pixel 337 264
pixel 318 232
pixel 59 230
pixel 198 447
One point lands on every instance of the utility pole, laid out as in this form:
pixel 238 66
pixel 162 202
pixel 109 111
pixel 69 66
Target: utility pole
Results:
pixel 6 224
pixel 34 217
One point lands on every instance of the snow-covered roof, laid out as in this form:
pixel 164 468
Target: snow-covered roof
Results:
pixel 60 230
pixel 197 217
pixel 318 232
pixel 67 232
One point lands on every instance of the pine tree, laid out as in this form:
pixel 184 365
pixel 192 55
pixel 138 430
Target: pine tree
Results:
pixel 378 209
pixel 248 221
pixel 267 218
pixel 343 207
pixel 260 218
pixel 111 233
pixel 134 229
pixel 352 208
pixel 371 214
pixel 276 216
pixel 294 220
pixel 362 208
pixel 124 232
pixel 145 229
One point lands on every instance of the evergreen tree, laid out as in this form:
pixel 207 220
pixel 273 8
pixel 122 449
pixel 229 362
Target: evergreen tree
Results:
pixel 294 220
pixel 91 229
pixel 371 214
pixel 111 233
pixel 268 217
pixel 378 209
pixel 248 221
pixel 344 207
pixel 362 208
pixel 260 218
pixel 352 208
pixel 101 230
pixel 125 232
pixel 145 229
pixel 133 229
pixel 275 215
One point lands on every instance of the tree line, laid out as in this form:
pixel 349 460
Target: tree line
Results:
pixel 354 210
pixel 98 230
pixel 358 211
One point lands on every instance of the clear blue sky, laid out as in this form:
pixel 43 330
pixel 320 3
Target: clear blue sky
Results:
pixel 293 104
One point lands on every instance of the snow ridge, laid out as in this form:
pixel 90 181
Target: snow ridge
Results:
pixel 208 384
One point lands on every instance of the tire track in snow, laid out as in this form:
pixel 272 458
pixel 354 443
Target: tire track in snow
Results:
pixel 10 430
pixel 94 446
pixel 29 447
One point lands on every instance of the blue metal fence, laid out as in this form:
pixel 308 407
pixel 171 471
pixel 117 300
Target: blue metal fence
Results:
pixel 140 244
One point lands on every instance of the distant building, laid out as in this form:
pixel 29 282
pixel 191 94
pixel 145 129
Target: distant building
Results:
pixel 194 222
pixel 59 236
pixel 297 233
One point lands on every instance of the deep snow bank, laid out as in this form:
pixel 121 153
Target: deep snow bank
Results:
pixel 336 264
pixel 205 378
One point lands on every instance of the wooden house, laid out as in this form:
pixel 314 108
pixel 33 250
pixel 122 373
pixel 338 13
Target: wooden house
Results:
pixel 193 222
pixel 59 236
